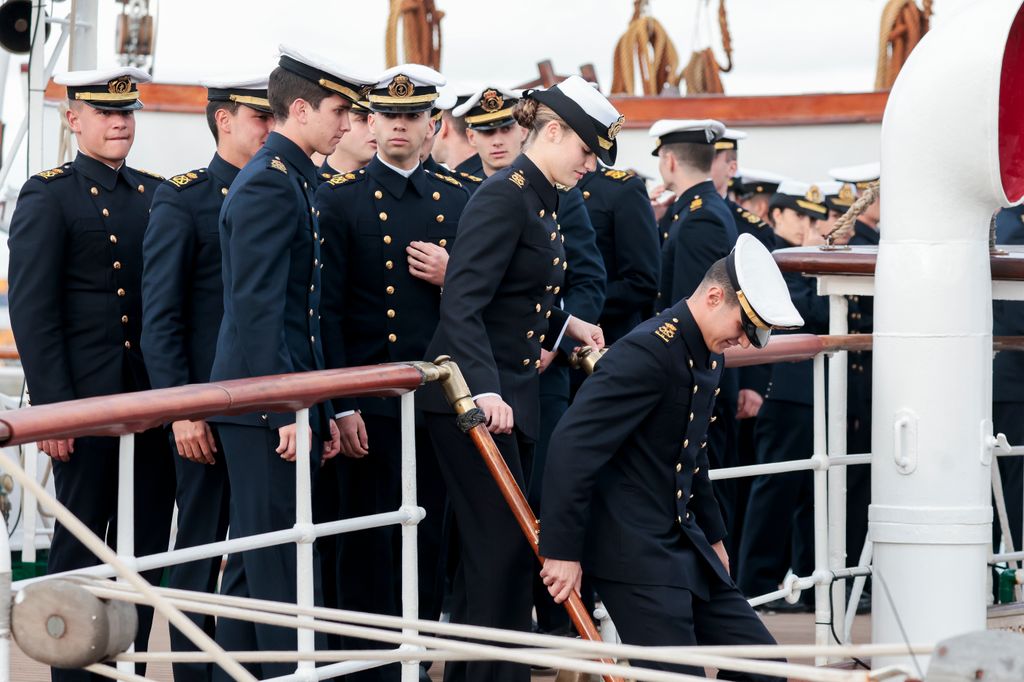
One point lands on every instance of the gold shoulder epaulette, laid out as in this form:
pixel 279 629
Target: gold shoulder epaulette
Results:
pixel 696 203
pixel 751 218
pixel 518 179
pixel 447 178
pixel 54 173
pixel 278 165
pixel 341 179
pixel 471 178
pixel 667 331
pixel 620 175
pixel 150 173
pixel 188 179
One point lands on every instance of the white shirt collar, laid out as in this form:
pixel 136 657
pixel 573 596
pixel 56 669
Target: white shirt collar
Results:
pixel 401 171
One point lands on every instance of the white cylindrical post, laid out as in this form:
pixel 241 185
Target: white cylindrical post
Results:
pixel 837 420
pixel 304 545
pixel 126 513
pixel 37 78
pixel 82 53
pixel 821 588
pixel 931 511
pixel 410 554
pixel 5 601
pixel 29 505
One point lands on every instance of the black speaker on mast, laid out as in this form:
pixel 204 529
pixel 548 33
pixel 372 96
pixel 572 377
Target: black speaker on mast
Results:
pixel 16 26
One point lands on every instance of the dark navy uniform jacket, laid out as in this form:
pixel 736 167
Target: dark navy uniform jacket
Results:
pixel 182 290
pixel 499 308
pixel 583 294
pixel 703 232
pixel 374 310
pixel 1008 318
pixel 794 381
pixel 751 223
pixel 270 243
pixel 626 487
pixel 76 279
pixel 628 239
pixel 473 166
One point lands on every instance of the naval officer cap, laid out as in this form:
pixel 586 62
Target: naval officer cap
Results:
pixel 489 108
pixel 860 175
pixel 751 181
pixel 839 196
pixel 805 199
pixel 406 89
pixel 447 99
pixel 108 89
pixel 689 131
pixel 763 296
pixel 586 111
pixel 730 140
pixel 321 71
pixel 252 92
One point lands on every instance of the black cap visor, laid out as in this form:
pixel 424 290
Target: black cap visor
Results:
pixel 593 134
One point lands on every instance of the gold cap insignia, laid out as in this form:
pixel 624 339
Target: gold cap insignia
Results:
pixel 400 86
pixel 491 101
pixel 614 128
pixel 120 86
pixel 846 193
pixel 814 194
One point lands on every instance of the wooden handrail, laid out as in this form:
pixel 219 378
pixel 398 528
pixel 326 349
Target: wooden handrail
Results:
pixel 1007 265
pixel 116 415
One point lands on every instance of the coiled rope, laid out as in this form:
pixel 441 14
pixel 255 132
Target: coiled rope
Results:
pixel 421 33
pixel 903 26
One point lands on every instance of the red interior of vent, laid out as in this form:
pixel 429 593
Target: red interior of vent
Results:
pixel 1011 112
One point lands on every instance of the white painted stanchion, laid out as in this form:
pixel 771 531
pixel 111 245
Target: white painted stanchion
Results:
pixel 304 524
pixel 821 587
pixel 837 419
pixel 126 513
pixel 410 555
pixel 5 607
pixel 29 506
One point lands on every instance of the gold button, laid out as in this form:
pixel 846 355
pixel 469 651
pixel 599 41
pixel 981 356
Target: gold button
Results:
pixel 127 344
pixel 529 334
pixel 695 389
pixel 439 218
pixel 318 213
pixel 383 215
pixel 675 217
pixel 717 391
pixel 679 467
pixel 117 265
pixel 311 312
pixel 703 445
pixel 124 319
pixel 312 288
pixel 541 213
pixel 93 191
pixel 697 470
pixel 586 194
pixel 554 235
pixel 392 338
pixel 536 364
pixel 548 288
pixel 556 261
pixel 687 516
pixel 557 289
pixel 106 213
pixel 714 364
pixel 565 266
pixel 312 339
pixel 141 189
pixel 679 494
pixel 526 362
pixel 316 236
pixel 391 314
pixel 541 338
pixel 312 210
pixel 305 185
pixel 690 497
pixel 686 442
pixel 378 195
pixel 316 262
pixel 224 191
pixel 120 292
pixel 679 519
pixel 390 290
pixel 388 264
pixel 664 235
pixel 537 307
pixel 443 243
pixel 387 239
pixel 690 363
pixel 554 216
pixel 547 315
pixel 691 416
pixel 436 195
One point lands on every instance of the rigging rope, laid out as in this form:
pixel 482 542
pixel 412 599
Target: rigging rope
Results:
pixel 421 33
pixel 903 26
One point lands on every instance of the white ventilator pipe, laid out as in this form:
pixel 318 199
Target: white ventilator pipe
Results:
pixel 952 152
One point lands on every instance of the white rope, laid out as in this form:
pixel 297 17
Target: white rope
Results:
pixel 105 554
pixel 714 656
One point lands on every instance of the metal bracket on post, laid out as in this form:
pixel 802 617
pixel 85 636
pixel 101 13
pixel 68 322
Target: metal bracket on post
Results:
pixel 904 449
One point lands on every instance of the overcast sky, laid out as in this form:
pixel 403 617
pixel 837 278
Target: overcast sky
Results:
pixel 780 46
